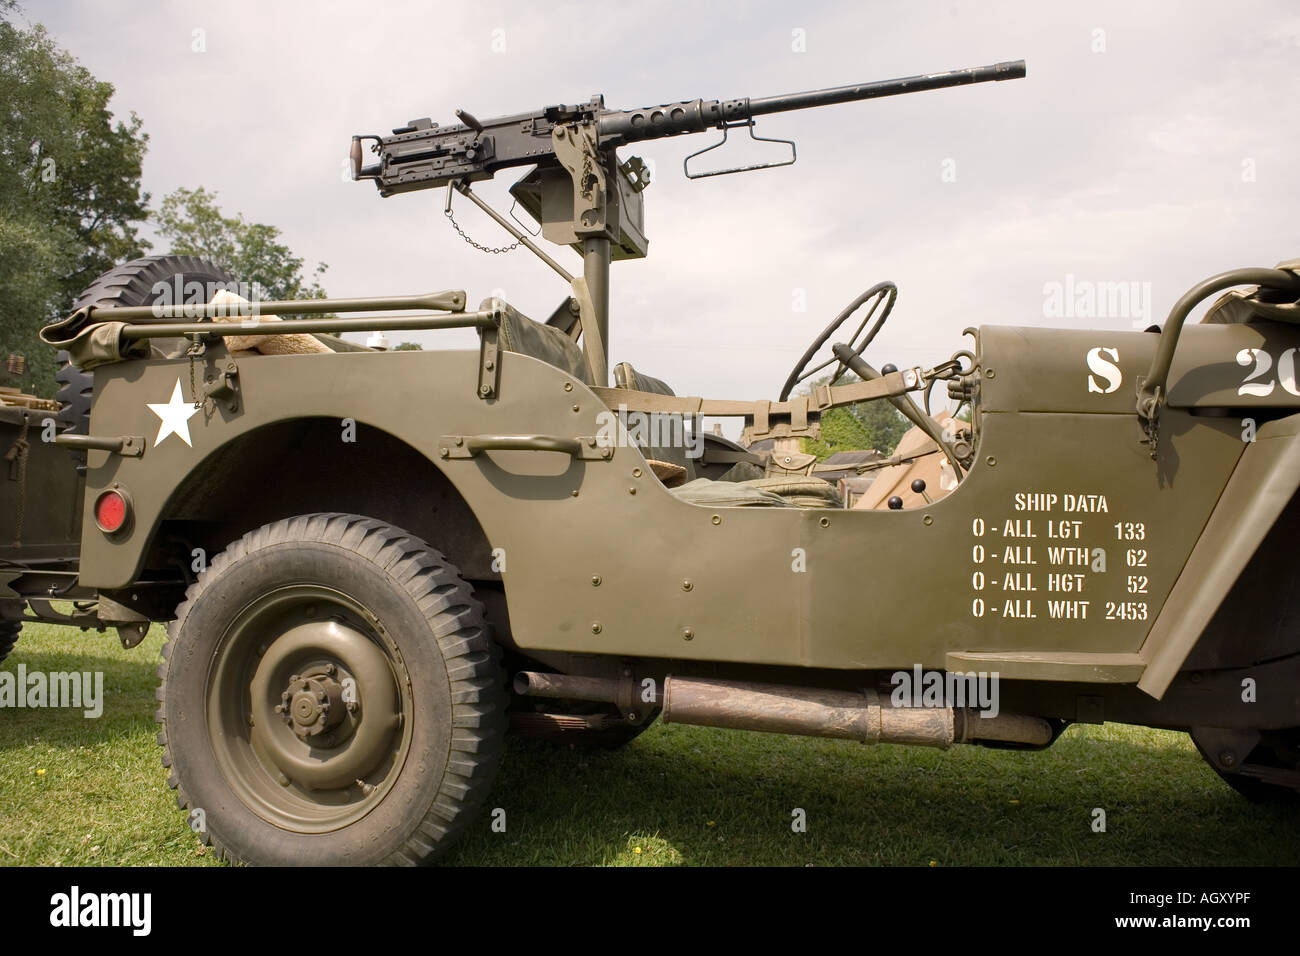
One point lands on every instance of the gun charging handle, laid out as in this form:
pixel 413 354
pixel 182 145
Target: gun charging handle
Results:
pixel 355 155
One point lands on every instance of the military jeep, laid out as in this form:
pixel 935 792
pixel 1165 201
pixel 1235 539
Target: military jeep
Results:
pixel 376 564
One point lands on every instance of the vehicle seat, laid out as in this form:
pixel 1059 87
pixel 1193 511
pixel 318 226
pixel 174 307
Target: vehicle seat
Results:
pixel 521 334
pixel 801 491
pixel 739 480
pixel 728 494
pixel 671 465
pixel 625 376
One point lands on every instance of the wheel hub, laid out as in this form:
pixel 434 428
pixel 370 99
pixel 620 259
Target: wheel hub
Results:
pixel 322 724
pixel 312 705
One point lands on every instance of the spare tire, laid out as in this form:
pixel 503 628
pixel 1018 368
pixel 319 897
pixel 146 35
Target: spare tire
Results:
pixel 134 283
pixel 8 636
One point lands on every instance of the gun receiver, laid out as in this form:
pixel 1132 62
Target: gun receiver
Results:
pixel 424 155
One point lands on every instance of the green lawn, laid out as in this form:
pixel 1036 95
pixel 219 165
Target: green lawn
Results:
pixel 78 791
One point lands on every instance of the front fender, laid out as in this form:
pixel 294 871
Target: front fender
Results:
pixel 1262 484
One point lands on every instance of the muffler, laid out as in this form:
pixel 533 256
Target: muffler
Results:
pixel 802 711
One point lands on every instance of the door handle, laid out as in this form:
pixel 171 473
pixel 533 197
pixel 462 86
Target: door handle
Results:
pixel 471 446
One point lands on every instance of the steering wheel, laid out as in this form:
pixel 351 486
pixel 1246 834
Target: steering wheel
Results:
pixel 881 296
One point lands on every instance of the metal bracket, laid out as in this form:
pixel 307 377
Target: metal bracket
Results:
pixel 636 172
pixel 489 361
pixel 738 169
pixel 45 611
pixel 224 387
pixel 1149 403
pixel 578 151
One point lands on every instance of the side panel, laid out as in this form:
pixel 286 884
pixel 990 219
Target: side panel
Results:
pixel 1065 538
pixel 600 558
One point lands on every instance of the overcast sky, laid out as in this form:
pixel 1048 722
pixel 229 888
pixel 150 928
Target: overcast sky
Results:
pixel 1152 142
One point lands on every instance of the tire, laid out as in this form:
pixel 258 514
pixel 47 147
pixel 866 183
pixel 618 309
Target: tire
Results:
pixel 1270 774
pixel 8 637
pixel 290 613
pixel 130 284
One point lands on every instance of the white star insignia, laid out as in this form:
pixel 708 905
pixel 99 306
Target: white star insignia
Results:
pixel 175 415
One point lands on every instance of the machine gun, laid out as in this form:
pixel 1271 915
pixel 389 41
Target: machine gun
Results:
pixel 578 190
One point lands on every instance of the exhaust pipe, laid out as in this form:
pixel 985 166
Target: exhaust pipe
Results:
pixel 802 711
pixel 811 712
pixel 602 690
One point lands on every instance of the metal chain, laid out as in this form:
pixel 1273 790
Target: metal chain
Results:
pixel 193 389
pixel 496 251
pixel 196 348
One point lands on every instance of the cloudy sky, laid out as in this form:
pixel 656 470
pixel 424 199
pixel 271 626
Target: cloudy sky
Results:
pixel 1152 142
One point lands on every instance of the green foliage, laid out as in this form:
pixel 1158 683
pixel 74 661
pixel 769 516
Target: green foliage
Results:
pixel 192 223
pixel 841 431
pixel 70 199
pixel 408 347
pixel 866 425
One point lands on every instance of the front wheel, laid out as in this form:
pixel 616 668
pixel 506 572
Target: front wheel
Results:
pixel 1266 769
pixel 330 695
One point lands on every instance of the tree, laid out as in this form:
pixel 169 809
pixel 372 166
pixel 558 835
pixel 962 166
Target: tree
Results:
pixel 192 223
pixel 841 431
pixel 408 347
pixel 70 201
pixel 877 425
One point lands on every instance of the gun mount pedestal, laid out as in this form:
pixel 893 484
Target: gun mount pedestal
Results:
pixel 595 341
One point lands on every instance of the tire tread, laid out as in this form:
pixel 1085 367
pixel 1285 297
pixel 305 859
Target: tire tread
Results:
pixel 457 623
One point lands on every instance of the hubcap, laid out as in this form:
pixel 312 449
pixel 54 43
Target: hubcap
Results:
pixel 309 708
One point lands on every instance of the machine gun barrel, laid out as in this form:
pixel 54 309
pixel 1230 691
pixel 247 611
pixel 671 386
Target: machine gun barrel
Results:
pixel 1011 70
pixel 695 116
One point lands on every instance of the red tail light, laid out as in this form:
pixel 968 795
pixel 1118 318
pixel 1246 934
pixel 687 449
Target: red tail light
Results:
pixel 112 511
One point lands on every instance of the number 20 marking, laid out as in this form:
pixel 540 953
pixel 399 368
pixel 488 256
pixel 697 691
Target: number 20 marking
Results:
pixel 1262 362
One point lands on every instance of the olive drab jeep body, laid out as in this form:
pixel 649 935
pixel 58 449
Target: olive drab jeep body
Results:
pixel 375 564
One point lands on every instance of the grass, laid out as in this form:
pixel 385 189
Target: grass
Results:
pixel 92 792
